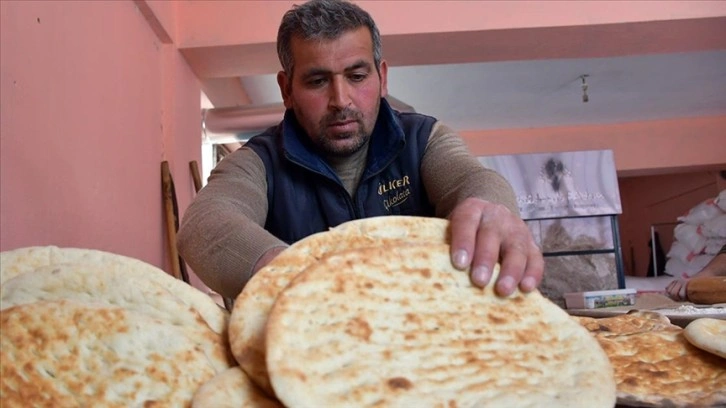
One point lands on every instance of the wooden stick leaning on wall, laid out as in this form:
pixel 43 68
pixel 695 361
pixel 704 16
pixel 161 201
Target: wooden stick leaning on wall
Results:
pixel 194 167
pixel 171 215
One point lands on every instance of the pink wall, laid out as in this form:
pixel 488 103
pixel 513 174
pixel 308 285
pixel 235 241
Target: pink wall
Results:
pixel 639 148
pixel 92 102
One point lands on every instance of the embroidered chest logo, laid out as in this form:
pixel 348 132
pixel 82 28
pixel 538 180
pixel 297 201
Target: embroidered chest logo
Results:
pixel 396 192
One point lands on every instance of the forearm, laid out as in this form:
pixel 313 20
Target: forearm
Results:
pixel 221 235
pixel 464 176
pixel 223 252
pixel 716 267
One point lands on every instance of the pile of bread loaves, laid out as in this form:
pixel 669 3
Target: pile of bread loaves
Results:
pixel 368 314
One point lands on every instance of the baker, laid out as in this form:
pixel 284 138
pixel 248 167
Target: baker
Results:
pixel 325 163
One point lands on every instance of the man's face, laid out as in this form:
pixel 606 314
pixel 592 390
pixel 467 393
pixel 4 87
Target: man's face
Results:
pixel 335 90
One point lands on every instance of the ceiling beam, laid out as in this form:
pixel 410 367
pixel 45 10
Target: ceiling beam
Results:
pixel 225 92
pixel 218 22
pixel 590 41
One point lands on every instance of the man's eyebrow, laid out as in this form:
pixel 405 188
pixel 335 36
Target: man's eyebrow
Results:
pixel 358 65
pixel 322 71
pixel 315 72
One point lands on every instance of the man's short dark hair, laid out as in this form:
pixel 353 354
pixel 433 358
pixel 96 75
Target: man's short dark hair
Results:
pixel 323 20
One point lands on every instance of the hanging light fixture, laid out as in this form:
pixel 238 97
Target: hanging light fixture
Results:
pixel 585 96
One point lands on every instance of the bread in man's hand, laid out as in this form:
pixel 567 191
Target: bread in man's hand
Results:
pixel 252 306
pixel 400 326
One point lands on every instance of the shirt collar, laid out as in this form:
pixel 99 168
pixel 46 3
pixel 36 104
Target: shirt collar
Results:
pixel 386 141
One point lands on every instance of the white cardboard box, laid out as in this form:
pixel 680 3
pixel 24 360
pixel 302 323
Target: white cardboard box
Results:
pixel 600 298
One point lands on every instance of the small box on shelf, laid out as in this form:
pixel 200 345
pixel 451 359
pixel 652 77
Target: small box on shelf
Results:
pixel 601 298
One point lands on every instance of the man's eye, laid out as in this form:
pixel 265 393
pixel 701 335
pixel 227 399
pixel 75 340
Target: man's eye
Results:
pixel 315 82
pixel 357 77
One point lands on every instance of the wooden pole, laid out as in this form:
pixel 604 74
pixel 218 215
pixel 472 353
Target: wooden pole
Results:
pixel 196 176
pixel 167 188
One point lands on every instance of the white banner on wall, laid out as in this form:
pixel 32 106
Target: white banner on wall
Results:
pixel 561 184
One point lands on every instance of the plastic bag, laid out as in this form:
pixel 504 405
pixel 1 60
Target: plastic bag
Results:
pixel 714 245
pixel 721 200
pixel 679 269
pixel 690 236
pixel 715 227
pixel 701 213
pixel 681 252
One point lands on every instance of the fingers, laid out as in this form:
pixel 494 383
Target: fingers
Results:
pixel 482 234
pixel 677 289
pixel 514 262
pixel 535 269
pixel 464 222
pixel 522 264
pixel 669 289
pixel 682 291
pixel 486 254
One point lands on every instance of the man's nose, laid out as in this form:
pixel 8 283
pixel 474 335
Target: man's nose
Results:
pixel 339 94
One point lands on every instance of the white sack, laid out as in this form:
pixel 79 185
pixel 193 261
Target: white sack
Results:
pixel 715 227
pixel 681 252
pixel 721 200
pixel 702 212
pixel 690 236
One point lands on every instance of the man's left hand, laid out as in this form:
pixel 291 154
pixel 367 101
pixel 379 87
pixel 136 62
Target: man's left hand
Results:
pixel 483 233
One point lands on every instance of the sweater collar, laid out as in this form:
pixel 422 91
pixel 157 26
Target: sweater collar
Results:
pixel 386 141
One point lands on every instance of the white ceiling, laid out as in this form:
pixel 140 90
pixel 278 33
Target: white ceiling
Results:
pixel 524 94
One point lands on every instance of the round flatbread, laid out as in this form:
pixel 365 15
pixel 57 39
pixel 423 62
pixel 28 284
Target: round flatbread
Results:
pixel 18 261
pixel 631 322
pixel 65 354
pixel 400 327
pixel 708 334
pixel 253 305
pixel 662 369
pixel 113 284
pixel 407 228
pixel 21 260
pixel 232 389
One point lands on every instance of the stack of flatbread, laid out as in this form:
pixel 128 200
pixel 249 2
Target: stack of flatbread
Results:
pixel 90 328
pixel 368 314
pixel 658 364
pixel 372 313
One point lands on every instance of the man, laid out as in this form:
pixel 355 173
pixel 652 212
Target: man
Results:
pixel 342 153
pixel 678 288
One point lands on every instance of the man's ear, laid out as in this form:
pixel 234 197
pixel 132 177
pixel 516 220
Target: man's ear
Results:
pixel 285 84
pixel 384 78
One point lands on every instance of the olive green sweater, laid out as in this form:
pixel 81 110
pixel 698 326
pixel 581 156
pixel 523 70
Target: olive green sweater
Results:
pixel 222 236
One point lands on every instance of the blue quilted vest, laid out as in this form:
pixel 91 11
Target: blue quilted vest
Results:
pixel 306 196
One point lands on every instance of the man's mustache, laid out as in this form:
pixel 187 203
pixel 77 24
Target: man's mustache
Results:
pixel 342 116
